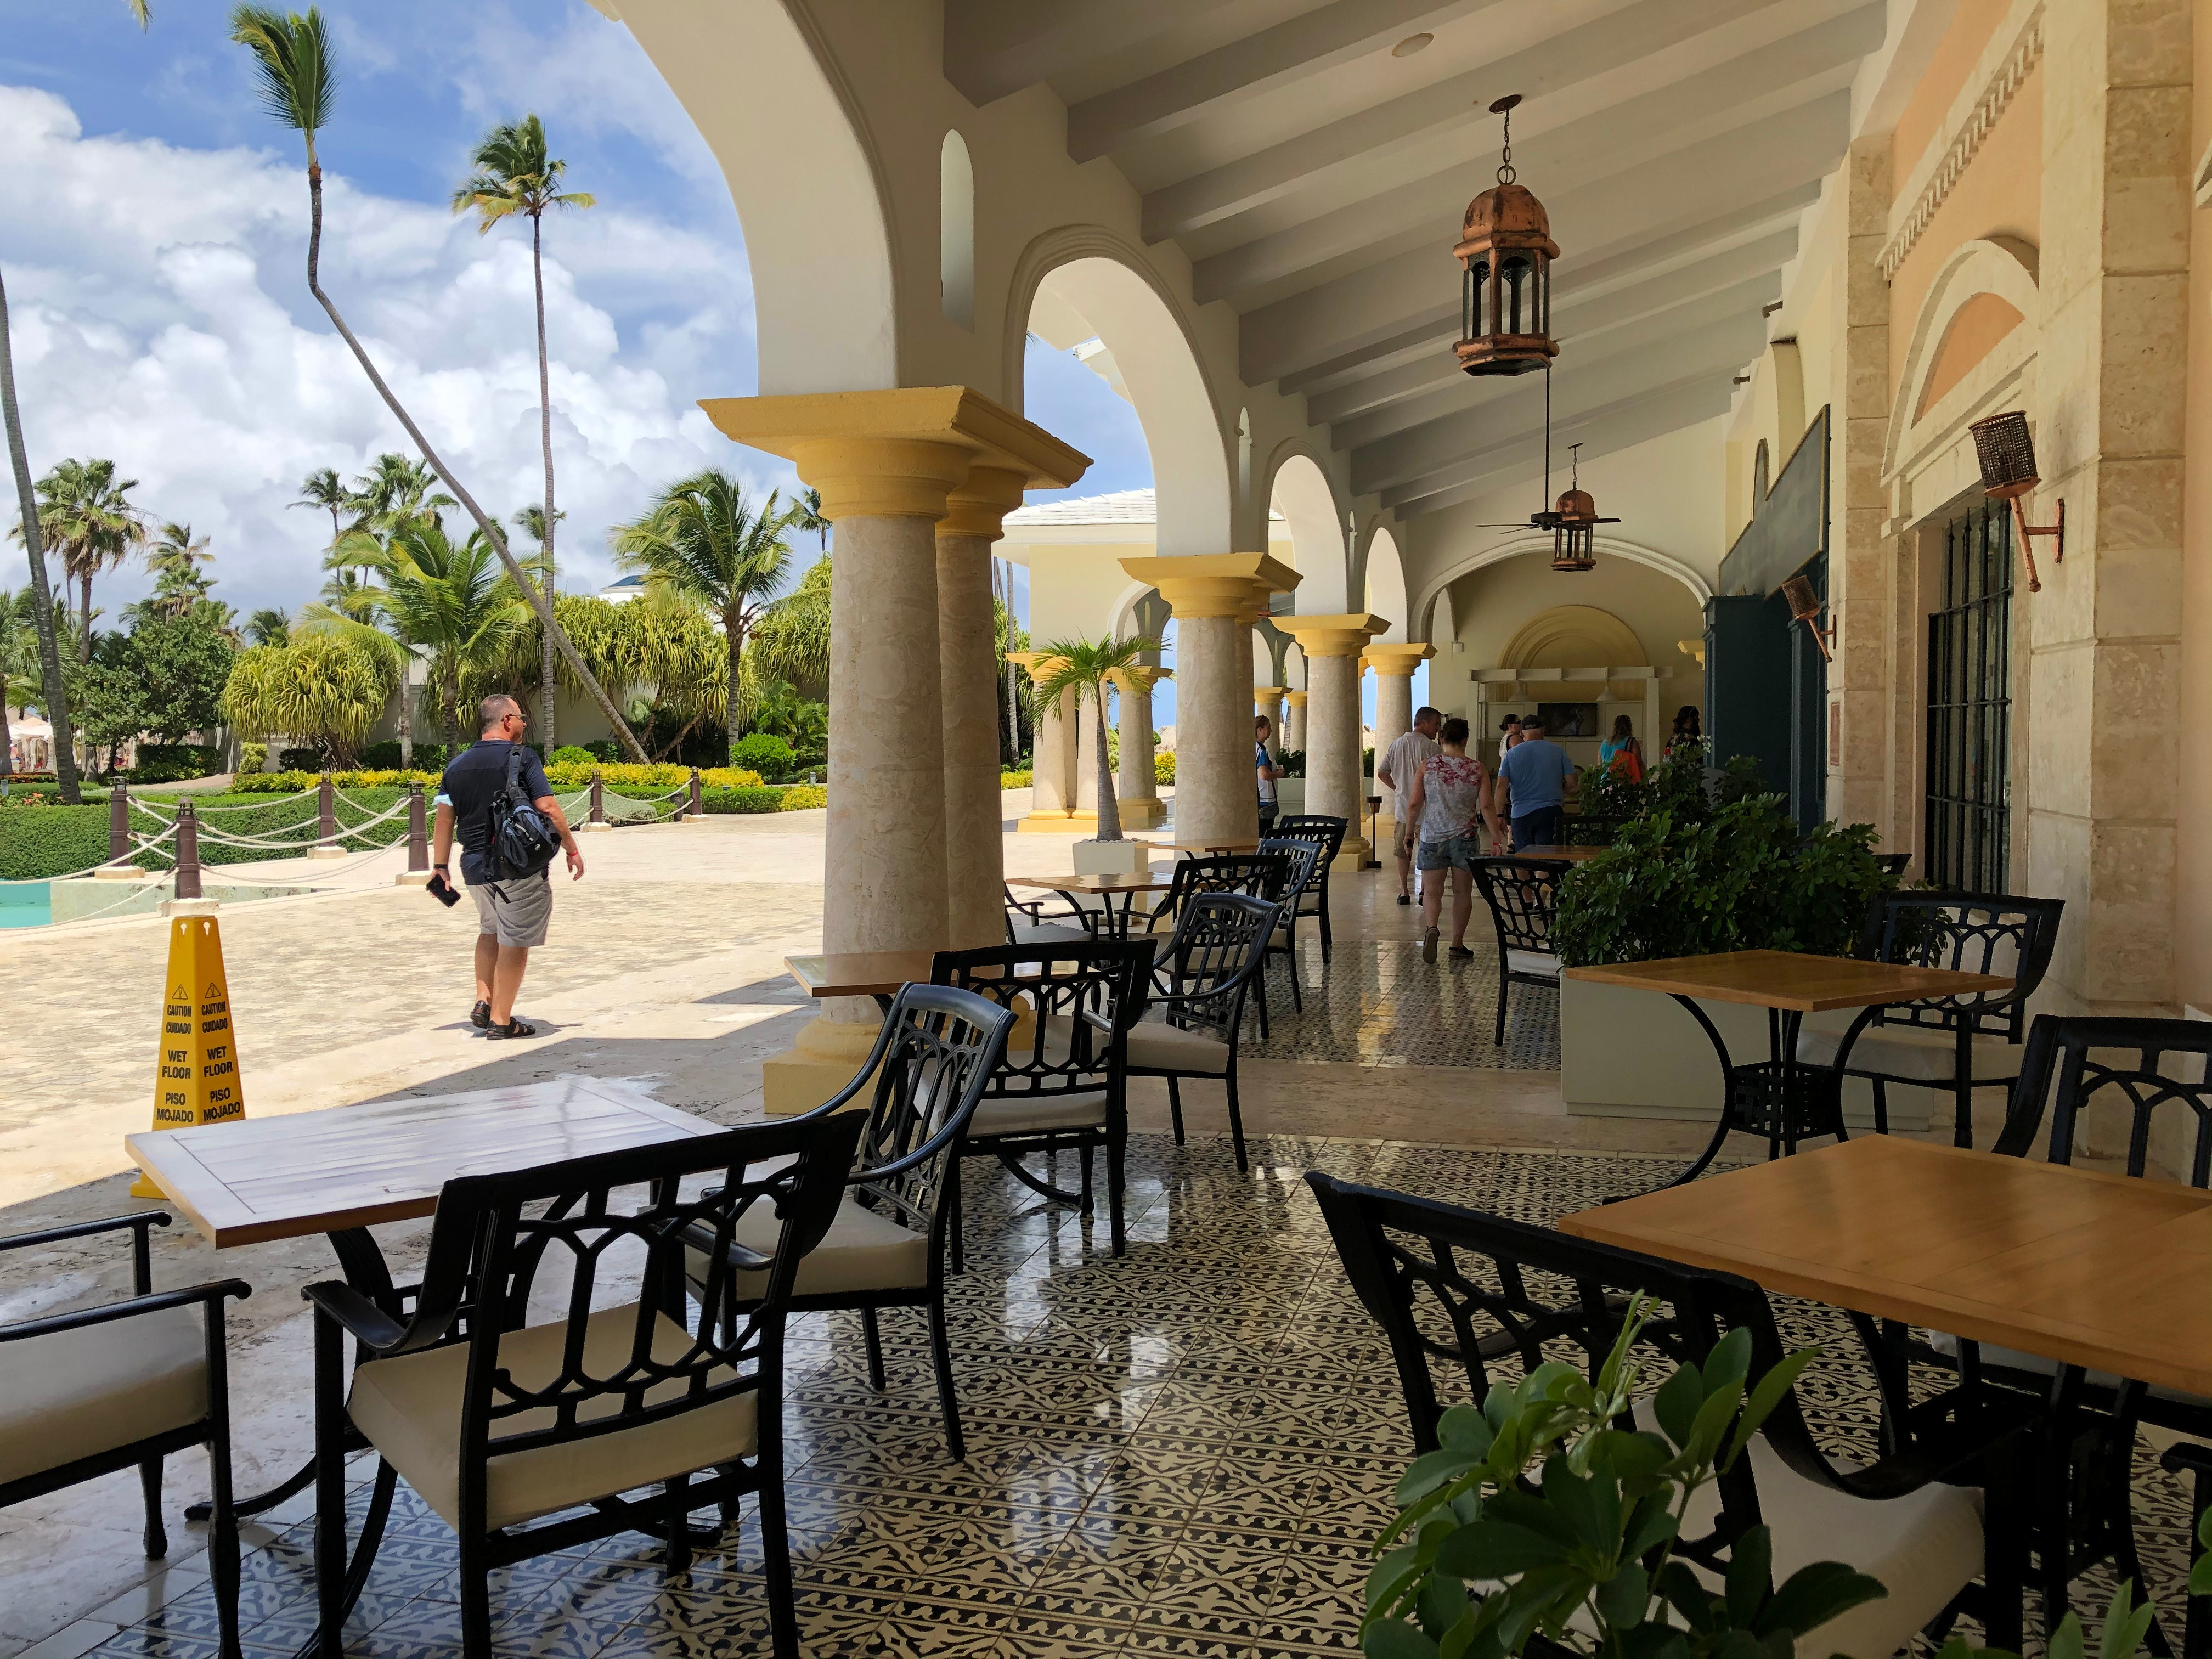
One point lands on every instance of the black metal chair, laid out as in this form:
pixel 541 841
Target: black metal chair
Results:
pixel 1061 1084
pixel 931 1063
pixel 1040 922
pixel 1327 834
pixel 1305 858
pixel 121 1386
pixel 1220 946
pixel 1451 1284
pixel 1956 1042
pixel 497 1423
pixel 1261 874
pixel 1522 896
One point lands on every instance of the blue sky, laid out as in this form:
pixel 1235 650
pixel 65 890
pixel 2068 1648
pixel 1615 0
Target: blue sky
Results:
pixel 152 231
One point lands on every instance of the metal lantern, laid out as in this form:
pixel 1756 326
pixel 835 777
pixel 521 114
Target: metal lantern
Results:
pixel 1574 523
pixel 1505 253
pixel 1805 607
pixel 2007 455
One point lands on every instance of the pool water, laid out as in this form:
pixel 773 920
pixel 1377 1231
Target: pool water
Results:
pixel 25 904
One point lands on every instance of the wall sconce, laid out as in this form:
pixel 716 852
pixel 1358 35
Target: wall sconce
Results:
pixel 2007 461
pixel 1805 607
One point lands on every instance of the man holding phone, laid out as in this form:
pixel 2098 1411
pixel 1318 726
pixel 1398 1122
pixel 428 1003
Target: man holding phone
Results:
pixel 513 913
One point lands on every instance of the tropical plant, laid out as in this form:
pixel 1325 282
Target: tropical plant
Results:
pixel 453 603
pixel 1084 665
pixel 292 60
pixel 539 528
pixel 19 657
pixel 43 620
pixel 269 626
pixel 513 175
pixel 810 521
pixel 322 490
pixel 792 641
pixel 87 521
pixel 179 564
pixel 328 687
pixel 701 539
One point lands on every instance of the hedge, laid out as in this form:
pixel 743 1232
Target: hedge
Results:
pixel 53 841
pixel 1163 766
pixel 655 778
pixel 792 797
pixel 174 763
pixel 1017 779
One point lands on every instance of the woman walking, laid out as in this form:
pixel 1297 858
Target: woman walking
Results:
pixel 1451 795
pixel 1622 751
pixel 1689 730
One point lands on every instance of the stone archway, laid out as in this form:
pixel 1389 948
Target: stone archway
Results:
pixel 1383 571
pixel 1300 491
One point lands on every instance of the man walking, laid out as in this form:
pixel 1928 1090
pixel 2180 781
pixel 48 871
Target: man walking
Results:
pixel 513 912
pixel 1400 765
pixel 1536 775
pixel 1264 765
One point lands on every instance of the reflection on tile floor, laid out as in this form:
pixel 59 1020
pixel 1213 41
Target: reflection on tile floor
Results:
pixel 1183 1452
pixel 1380 1005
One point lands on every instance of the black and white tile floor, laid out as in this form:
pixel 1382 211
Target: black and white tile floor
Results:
pixel 1186 1451
pixel 1378 1004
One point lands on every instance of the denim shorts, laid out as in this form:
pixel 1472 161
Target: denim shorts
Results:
pixel 1453 852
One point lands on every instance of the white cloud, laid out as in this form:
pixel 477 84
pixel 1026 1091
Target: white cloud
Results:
pixel 161 317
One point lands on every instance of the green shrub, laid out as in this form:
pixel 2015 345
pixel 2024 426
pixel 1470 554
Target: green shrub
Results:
pixel 252 756
pixel 39 841
pixel 765 753
pixel 291 783
pixel 742 799
pixel 172 763
pixel 570 755
pixel 1022 779
pixel 306 760
pixel 42 840
pixel 802 797
pixel 385 757
pixel 1163 766
pixel 662 776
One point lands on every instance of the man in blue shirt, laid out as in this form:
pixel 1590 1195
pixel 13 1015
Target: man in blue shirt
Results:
pixel 1264 766
pixel 1537 776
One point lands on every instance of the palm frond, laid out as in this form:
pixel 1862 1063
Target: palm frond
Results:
pixel 291 61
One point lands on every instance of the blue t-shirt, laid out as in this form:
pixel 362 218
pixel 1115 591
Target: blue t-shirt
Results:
pixel 1537 772
pixel 1259 761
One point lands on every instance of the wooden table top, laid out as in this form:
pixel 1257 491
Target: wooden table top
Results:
pixel 1789 979
pixel 1157 881
pixel 861 973
pixel 1214 844
pixel 255 1179
pixel 2091 1269
pixel 1570 855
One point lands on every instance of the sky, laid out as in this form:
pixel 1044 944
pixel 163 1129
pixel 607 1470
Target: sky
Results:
pixel 152 233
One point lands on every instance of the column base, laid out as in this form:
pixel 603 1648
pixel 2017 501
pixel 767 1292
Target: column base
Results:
pixel 1055 821
pixel 1353 856
pixel 1144 812
pixel 820 1062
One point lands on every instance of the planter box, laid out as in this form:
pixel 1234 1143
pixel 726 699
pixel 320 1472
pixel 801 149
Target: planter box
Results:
pixel 1290 794
pixel 1626 1053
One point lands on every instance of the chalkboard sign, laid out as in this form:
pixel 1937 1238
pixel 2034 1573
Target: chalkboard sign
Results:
pixel 1789 529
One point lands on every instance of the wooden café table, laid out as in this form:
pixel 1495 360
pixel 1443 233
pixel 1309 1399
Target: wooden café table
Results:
pixel 1102 887
pixel 1782 1098
pixel 876 974
pixel 1198 848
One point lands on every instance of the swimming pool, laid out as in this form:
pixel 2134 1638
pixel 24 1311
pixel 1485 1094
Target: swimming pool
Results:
pixel 25 904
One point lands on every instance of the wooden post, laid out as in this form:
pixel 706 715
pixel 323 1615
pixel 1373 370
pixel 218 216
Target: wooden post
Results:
pixel 418 836
pixel 698 802
pixel 119 824
pixel 188 852
pixel 326 827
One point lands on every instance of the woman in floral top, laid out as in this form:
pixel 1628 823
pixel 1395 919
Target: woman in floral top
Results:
pixel 1450 795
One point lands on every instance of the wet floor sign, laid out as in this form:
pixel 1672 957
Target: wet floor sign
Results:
pixel 197 1080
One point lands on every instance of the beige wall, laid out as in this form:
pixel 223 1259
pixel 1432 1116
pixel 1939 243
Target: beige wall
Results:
pixel 2193 969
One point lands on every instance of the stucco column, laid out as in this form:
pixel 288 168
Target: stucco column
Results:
pixel 885 464
pixel 1138 785
pixel 1294 721
pixel 1394 666
pixel 1211 597
pixel 1052 757
pixel 1086 763
pixel 967 664
pixel 1332 647
pixel 1268 701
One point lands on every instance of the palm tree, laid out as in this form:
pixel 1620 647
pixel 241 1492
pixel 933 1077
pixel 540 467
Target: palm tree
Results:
pixel 810 521
pixel 539 529
pixel 19 656
pixel 87 520
pixel 701 540
pixel 452 602
pixel 292 59
pixel 514 174
pixel 176 560
pixel 1086 666
pixel 322 490
pixel 792 641
pixel 269 626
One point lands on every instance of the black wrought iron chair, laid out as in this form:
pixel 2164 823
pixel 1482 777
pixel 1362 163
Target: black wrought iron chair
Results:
pixel 1452 1285
pixel 931 1063
pixel 1327 834
pixel 1197 1001
pixel 497 1423
pixel 1959 1042
pixel 1062 1085
pixel 1043 921
pixel 1305 858
pixel 1261 874
pixel 120 1385
pixel 1522 896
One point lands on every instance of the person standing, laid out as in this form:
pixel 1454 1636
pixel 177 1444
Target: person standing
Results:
pixel 1450 792
pixel 1264 763
pixel 513 913
pixel 1689 730
pixel 1621 753
pixel 1398 770
pixel 1537 777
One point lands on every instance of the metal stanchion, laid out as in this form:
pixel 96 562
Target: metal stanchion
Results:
pixel 118 823
pixel 188 852
pixel 326 827
pixel 418 831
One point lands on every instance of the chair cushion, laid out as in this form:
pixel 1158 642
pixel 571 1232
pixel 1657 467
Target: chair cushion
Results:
pixel 863 1250
pixel 1541 962
pixel 1924 1546
pixel 1901 1051
pixel 2034 1364
pixel 77 1394
pixel 410 1408
pixel 1155 1046
pixel 1020 1116
pixel 1050 932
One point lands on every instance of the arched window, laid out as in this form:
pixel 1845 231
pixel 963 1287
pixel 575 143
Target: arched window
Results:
pixel 956 232
pixel 1759 479
pixel 1244 454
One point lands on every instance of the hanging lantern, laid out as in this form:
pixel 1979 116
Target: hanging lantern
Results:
pixel 2006 456
pixel 1505 253
pixel 1574 522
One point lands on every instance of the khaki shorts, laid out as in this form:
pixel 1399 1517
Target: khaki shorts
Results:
pixel 516 912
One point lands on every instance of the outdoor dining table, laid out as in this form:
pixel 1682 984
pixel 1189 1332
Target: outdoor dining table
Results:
pixel 1105 887
pixel 1782 1098
pixel 1562 854
pixel 877 974
pixel 344 1170
pixel 1199 849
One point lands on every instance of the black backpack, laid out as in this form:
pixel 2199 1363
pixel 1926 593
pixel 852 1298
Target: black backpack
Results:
pixel 522 841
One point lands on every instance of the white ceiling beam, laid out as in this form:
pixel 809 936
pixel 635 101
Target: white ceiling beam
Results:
pixel 996 47
pixel 1292 51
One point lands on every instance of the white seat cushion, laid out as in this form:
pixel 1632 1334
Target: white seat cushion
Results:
pixel 1018 1117
pixel 77 1394
pixel 1541 962
pixel 1924 1547
pixel 1901 1051
pixel 1157 1045
pixel 2011 1359
pixel 863 1250
pixel 1029 935
pixel 410 1409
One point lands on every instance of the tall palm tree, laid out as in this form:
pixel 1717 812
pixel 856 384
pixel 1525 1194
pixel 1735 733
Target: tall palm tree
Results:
pixel 452 603
pixel 539 528
pixel 322 490
pixel 269 626
pixel 299 81
pixel 810 521
pixel 43 618
pixel 792 641
pixel 513 175
pixel 87 520
pixel 19 657
pixel 180 580
pixel 701 539
pixel 1089 666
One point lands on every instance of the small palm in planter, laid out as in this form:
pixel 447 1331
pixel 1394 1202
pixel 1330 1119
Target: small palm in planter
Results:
pixel 1088 667
pixel 1566 1528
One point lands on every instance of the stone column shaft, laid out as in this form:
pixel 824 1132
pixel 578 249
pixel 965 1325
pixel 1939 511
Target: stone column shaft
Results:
pixel 1086 760
pixel 1294 721
pixel 1137 784
pixel 1267 700
pixel 1334 775
pixel 968 675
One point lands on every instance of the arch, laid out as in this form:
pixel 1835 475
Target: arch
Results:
pixel 1525 541
pixel 1382 575
pixel 824 307
pixel 956 231
pixel 1122 615
pixel 1572 637
pixel 1300 490
pixel 1085 276
pixel 1762 463
pixel 2001 266
pixel 1244 459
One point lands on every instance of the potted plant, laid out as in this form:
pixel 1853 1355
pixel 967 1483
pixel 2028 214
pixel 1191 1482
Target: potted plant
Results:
pixel 1090 668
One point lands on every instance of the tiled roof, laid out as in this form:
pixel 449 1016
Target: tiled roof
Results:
pixel 1122 507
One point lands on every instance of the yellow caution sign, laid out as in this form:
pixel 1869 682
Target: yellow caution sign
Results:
pixel 197 1080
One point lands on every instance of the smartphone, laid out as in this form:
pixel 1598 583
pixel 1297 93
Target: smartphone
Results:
pixel 442 891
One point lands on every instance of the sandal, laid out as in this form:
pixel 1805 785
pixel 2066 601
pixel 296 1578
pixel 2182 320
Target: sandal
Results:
pixel 1461 953
pixel 514 1028
pixel 480 1015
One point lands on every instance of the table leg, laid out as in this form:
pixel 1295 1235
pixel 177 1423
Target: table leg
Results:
pixel 1728 1078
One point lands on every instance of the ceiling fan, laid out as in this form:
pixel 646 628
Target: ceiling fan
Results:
pixel 1572 520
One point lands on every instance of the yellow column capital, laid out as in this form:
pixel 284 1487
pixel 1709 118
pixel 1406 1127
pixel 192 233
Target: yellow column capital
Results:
pixel 979 507
pixel 898 453
pixel 1296 699
pixel 1039 663
pixel 1399 661
pixel 1332 636
pixel 1140 680
pixel 1215 584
